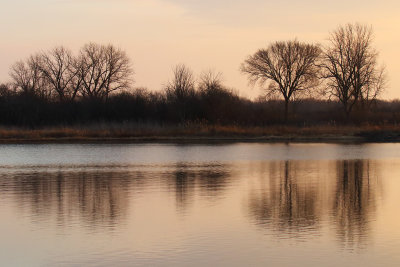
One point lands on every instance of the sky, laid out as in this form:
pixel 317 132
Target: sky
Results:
pixel 203 34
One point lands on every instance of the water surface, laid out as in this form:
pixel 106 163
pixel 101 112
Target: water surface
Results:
pixel 197 205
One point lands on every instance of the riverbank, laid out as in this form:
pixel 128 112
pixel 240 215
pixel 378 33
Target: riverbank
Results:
pixel 117 133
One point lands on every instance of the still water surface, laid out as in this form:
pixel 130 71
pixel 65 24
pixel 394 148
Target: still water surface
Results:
pixel 200 205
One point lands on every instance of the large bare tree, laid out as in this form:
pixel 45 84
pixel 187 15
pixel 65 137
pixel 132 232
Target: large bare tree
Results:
pixel 103 69
pixel 287 68
pixel 60 70
pixel 350 67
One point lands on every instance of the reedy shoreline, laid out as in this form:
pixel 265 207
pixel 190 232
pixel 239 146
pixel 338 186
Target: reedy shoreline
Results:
pixel 135 133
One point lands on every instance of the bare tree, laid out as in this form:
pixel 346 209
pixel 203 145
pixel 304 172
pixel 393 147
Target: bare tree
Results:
pixel 218 102
pixel 350 67
pixel 181 88
pixel 27 77
pixel 210 81
pixel 60 71
pixel 103 69
pixel 183 83
pixel 288 67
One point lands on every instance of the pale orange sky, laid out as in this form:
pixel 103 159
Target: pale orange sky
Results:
pixel 158 34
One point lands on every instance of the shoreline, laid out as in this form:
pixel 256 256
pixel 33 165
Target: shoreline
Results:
pixel 116 133
pixel 340 139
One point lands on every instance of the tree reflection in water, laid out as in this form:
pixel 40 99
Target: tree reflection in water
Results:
pixel 96 197
pixel 206 180
pixel 284 205
pixel 292 201
pixel 355 201
pixel 101 197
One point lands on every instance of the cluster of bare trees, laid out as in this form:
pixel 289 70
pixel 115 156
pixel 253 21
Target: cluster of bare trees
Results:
pixel 183 83
pixel 346 69
pixel 95 72
pixel 184 87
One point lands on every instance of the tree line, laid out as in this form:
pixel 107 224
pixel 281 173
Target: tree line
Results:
pixel 303 83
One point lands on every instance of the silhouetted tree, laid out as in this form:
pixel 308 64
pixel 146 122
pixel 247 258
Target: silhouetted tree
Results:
pixel 218 103
pixel 59 69
pixel 210 81
pixel 350 67
pixel 103 69
pixel 27 77
pixel 180 89
pixel 289 67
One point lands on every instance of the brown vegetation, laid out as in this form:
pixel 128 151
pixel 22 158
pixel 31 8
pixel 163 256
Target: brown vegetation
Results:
pixel 197 132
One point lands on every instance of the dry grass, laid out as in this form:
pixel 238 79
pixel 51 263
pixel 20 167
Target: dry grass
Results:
pixel 104 131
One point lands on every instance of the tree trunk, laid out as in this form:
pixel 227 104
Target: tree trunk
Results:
pixel 286 110
pixel 347 111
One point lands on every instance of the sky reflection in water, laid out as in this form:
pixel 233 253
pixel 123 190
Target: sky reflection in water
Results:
pixel 273 207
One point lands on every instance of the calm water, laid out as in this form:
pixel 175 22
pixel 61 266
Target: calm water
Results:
pixel 200 205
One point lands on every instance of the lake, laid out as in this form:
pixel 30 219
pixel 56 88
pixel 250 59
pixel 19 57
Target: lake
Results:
pixel 244 204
